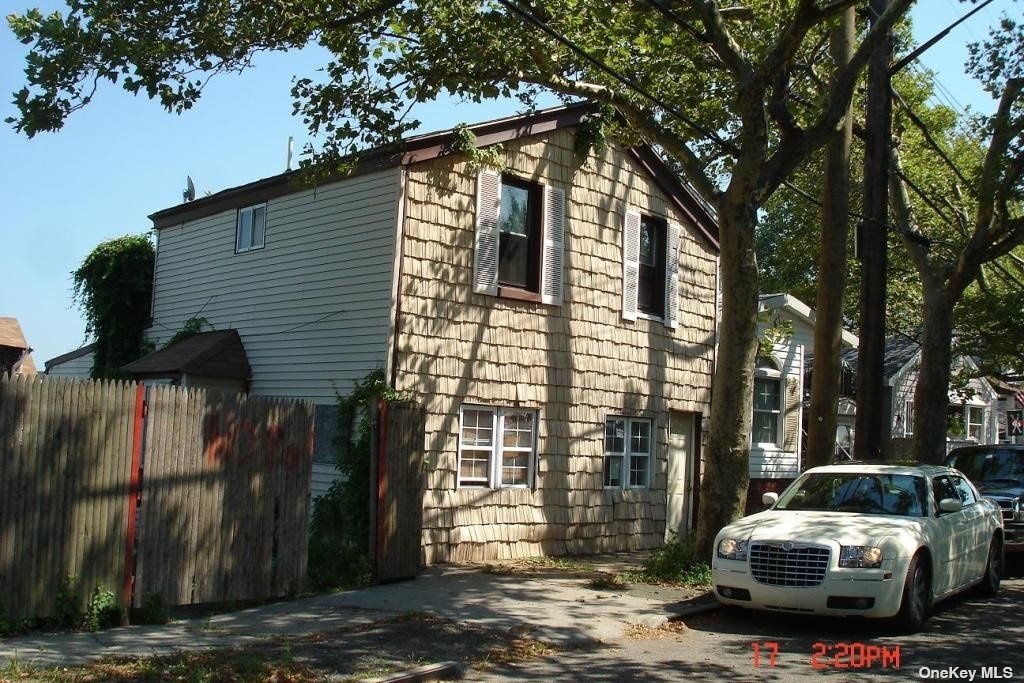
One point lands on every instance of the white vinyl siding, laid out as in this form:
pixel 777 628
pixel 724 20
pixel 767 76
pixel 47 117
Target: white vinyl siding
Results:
pixel 80 367
pixel 313 312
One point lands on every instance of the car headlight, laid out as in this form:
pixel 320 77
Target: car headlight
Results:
pixel 860 556
pixel 732 549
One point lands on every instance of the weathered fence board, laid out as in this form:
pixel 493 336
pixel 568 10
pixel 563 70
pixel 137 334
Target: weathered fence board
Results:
pixel 63 458
pixel 224 483
pixel 224 497
pixel 399 490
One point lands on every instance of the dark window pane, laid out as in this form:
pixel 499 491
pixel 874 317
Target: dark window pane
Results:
pixel 651 285
pixel 519 238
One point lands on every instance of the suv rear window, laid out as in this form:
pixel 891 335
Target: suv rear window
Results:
pixel 990 465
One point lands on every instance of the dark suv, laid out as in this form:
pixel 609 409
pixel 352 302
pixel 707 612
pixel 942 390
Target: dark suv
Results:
pixel 998 472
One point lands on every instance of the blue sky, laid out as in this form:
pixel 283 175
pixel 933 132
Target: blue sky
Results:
pixel 122 158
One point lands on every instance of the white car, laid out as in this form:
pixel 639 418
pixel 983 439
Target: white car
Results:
pixel 862 539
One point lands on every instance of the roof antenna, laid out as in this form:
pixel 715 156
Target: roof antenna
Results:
pixel 189 193
pixel 288 166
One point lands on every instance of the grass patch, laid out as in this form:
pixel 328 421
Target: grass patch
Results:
pixel 672 563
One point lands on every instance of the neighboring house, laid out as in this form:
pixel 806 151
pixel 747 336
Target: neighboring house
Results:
pixel 973 408
pixel 1010 401
pixel 15 353
pixel 556 318
pixel 77 363
pixel 777 427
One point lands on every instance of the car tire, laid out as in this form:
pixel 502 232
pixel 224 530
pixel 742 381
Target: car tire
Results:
pixel 989 585
pixel 917 596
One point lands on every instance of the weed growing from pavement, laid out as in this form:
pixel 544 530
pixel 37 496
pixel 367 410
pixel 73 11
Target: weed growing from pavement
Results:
pixel 558 563
pixel 608 582
pixel 672 563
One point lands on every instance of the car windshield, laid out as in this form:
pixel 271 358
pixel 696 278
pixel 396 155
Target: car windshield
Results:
pixel 871 493
pixel 990 466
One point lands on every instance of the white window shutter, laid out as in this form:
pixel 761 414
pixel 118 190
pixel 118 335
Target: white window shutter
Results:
pixel 630 264
pixel 552 254
pixel 672 275
pixel 485 253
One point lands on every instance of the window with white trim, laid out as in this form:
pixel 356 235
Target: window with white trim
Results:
pixel 251 228
pixel 628 447
pixel 908 418
pixel 520 238
pixel 650 268
pixel 497 447
pixel 767 410
pixel 976 423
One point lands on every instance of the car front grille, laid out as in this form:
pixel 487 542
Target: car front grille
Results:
pixel 1005 507
pixel 788 564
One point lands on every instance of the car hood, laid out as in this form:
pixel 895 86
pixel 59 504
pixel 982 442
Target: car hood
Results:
pixel 820 527
pixel 1001 490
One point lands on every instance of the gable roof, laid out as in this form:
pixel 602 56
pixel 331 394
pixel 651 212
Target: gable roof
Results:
pixel 800 310
pixel 898 351
pixel 70 355
pixel 11 334
pixel 219 353
pixel 433 145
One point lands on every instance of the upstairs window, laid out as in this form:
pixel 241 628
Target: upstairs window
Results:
pixel 767 410
pixel 651 285
pixel 519 234
pixel 650 268
pixel 520 237
pixel 251 228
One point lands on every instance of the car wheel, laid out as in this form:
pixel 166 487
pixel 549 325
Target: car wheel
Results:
pixel 989 585
pixel 917 596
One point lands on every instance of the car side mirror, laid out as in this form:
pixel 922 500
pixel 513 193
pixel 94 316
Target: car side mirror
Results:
pixel 769 499
pixel 950 505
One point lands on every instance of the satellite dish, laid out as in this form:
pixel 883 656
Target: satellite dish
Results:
pixel 189 193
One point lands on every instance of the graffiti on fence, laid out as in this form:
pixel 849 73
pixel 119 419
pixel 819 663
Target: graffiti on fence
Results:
pixel 233 436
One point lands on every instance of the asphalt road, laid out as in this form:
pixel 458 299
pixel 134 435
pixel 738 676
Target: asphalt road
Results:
pixel 965 635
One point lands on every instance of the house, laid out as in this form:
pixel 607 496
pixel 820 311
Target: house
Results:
pixel 973 407
pixel 15 353
pixel 777 427
pixel 77 363
pixel 556 317
pixel 1009 409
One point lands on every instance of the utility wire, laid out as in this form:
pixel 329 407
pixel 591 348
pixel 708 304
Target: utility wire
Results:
pixel 923 127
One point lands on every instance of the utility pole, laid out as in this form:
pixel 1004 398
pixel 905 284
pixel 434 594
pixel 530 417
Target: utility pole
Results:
pixel 872 251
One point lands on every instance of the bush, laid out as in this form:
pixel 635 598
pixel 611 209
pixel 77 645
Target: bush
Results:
pixel 102 610
pixel 674 562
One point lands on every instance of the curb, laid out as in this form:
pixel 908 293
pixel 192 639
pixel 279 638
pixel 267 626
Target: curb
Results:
pixel 443 671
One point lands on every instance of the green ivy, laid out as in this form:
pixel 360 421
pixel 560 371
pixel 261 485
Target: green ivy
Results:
pixel 192 326
pixel 114 287
pixel 339 554
pixel 464 142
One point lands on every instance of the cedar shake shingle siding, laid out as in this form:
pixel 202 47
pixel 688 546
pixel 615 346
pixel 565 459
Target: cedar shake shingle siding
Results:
pixel 575 364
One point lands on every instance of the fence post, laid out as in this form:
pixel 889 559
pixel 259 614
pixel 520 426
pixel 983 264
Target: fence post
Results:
pixel 133 497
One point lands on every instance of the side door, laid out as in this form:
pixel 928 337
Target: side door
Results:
pixel 679 511
pixel 950 541
pixel 976 532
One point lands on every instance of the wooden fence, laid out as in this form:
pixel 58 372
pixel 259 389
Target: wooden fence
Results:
pixel 219 484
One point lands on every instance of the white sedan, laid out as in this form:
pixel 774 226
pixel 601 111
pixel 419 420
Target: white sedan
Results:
pixel 861 539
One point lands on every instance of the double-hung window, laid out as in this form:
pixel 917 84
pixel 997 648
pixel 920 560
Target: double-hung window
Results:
pixel 767 410
pixel 650 268
pixel 497 447
pixel 519 239
pixel 628 447
pixel 251 227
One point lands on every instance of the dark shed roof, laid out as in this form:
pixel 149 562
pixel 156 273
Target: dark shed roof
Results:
pixel 213 354
pixel 899 350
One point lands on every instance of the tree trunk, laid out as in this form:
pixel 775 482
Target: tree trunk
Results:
pixel 931 397
pixel 726 460
pixel 828 326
